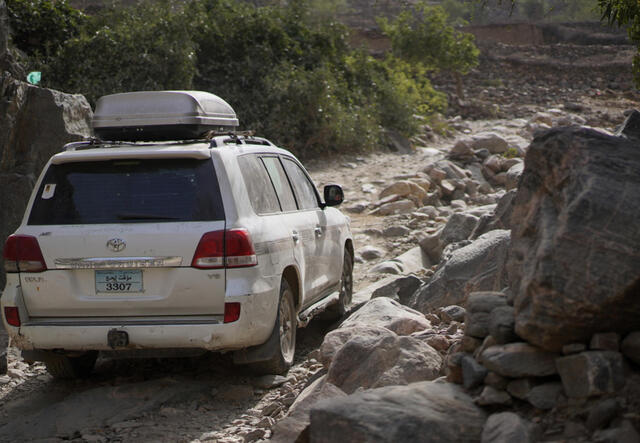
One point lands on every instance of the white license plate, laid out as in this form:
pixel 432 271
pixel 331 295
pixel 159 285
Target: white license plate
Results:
pixel 118 281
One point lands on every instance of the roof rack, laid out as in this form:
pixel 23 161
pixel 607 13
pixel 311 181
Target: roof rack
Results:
pixel 234 137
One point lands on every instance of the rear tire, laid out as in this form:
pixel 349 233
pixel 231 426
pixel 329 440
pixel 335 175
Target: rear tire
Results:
pixel 64 367
pixel 339 309
pixel 283 333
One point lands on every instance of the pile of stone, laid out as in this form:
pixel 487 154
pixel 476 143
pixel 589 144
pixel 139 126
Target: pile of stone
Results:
pixel 548 304
pixel 475 167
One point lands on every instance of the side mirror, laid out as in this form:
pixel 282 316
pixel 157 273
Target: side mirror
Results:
pixel 333 195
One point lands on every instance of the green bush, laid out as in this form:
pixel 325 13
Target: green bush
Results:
pixel 41 27
pixel 290 76
pixel 423 35
pixel 132 49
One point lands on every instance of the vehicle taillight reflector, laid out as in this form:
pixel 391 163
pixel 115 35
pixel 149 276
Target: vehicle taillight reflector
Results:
pixel 12 315
pixel 22 254
pixel 219 249
pixel 210 251
pixel 231 312
pixel 239 249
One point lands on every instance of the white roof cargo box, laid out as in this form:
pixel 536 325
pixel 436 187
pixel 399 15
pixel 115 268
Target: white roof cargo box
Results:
pixel 161 115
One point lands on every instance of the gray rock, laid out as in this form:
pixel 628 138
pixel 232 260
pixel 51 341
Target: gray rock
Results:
pixel 496 381
pixel 476 267
pixel 573 348
pixel 502 324
pixel 499 218
pixel 520 388
pixel 395 207
pixel 454 367
pixel 608 341
pixel 371 362
pixel 491 396
pixel 577 207
pixel 27 140
pixel 297 419
pixel 395 231
pixel 507 427
pixel 624 433
pixel 387 313
pixel 269 381
pixel 602 413
pixel 545 396
pixel 513 176
pixel 459 227
pixel 476 324
pixel 357 208
pixel 336 339
pixel 519 360
pixel 631 126
pixel 482 153
pixel 479 306
pixel 462 150
pixel 370 252
pixel 400 289
pixel 485 301
pixel 432 412
pixel 473 373
pixel 631 347
pixel 591 373
pixel 452 313
pixel 432 246
pixel 491 141
pixel 387 267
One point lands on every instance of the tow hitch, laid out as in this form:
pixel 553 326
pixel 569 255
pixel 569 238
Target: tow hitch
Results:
pixel 117 339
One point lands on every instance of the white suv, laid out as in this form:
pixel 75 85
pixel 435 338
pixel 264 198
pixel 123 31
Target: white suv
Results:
pixel 163 239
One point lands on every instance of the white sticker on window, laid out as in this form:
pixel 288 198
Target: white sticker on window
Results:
pixel 48 191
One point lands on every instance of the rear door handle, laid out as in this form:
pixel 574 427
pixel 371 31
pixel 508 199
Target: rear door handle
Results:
pixel 318 231
pixel 295 236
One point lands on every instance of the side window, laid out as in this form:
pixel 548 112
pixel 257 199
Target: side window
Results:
pixel 304 189
pixel 281 183
pixel 261 193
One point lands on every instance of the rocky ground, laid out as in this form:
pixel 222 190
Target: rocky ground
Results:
pixel 399 203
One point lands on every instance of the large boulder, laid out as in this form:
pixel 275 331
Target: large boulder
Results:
pixel 390 314
pixel 499 218
pixel 428 412
pixel 34 124
pixel 297 419
pixel 479 266
pixel 373 360
pixel 575 246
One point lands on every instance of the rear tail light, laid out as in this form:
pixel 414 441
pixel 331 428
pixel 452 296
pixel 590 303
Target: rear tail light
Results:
pixel 231 312
pixel 22 254
pixel 220 249
pixel 12 315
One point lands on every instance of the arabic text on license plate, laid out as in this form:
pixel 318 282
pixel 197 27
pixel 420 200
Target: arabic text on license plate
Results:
pixel 118 281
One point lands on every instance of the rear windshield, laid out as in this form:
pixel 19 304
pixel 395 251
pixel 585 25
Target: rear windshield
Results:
pixel 128 191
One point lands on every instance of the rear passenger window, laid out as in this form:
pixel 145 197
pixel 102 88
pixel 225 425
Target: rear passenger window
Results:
pixel 304 189
pixel 128 191
pixel 261 193
pixel 281 183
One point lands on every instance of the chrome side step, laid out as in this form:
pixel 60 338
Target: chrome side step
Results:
pixel 305 316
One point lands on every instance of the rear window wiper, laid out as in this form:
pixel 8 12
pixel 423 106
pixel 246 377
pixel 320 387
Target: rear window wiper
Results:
pixel 141 216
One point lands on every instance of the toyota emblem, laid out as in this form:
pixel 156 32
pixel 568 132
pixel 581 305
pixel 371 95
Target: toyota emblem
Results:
pixel 116 244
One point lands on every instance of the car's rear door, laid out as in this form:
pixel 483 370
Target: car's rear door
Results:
pixel 118 238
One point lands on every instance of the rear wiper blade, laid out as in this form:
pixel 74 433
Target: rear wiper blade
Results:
pixel 140 216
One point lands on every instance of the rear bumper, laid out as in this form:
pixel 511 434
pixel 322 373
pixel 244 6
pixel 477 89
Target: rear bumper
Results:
pixel 257 317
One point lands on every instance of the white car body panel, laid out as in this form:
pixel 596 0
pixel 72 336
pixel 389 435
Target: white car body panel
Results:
pixel 181 307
